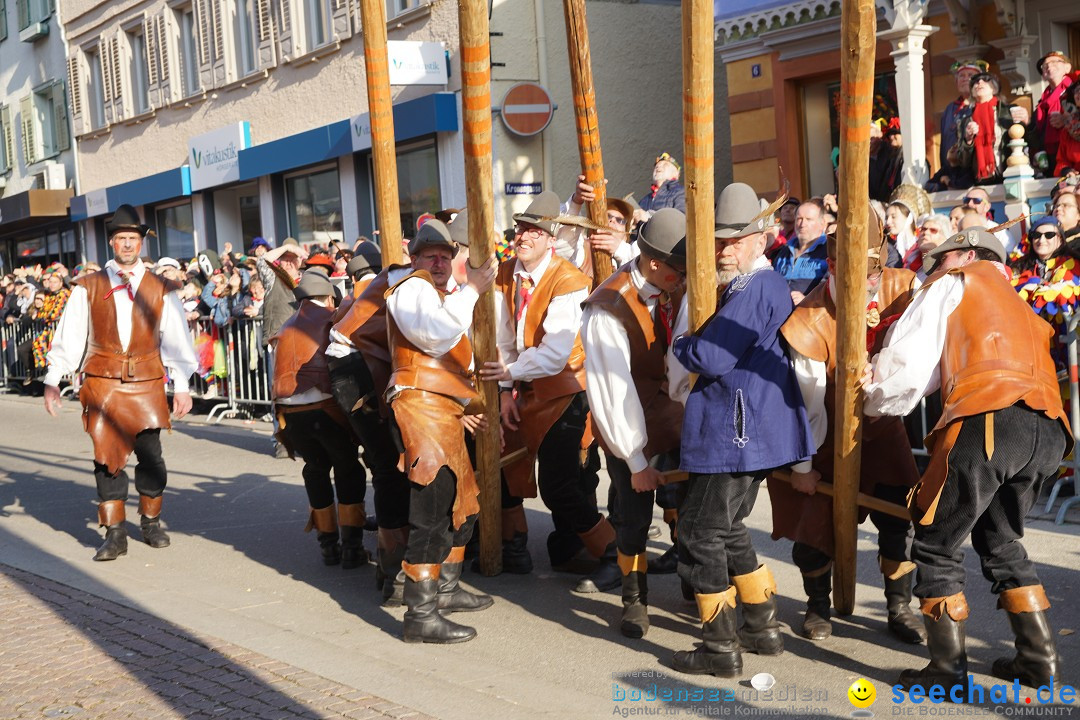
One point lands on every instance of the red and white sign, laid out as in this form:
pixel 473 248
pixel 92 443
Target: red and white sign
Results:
pixel 526 109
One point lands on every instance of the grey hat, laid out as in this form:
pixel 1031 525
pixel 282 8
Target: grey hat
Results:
pixel 459 228
pixel 739 213
pixel 542 212
pixel 367 257
pixel 975 237
pixel 314 283
pixel 664 237
pixel 433 232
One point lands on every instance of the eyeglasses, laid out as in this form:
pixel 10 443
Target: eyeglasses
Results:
pixel 528 231
pixel 974 200
pixel 1064 205
pixel 617 219
pixel 931 230
pixel 1045 235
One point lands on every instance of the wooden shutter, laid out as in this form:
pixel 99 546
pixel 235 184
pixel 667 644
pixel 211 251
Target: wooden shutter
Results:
pixel 153 63
pixel 204 26
pixel 61 133
pixel 342 20
pixel 22 12
pixel 118 61
pixel 77 91
pixel 29 130
pixel 3 20
pixel 266 51
pixel 286 41
pixel 8 138
pixel 169 80
pixel 222 26
pixel 106 79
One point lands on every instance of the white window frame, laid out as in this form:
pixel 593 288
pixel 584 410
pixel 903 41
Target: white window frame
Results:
pixel 319 31
pixel 7 140
pixel 188 50
pixel 396 7
pixel 246 31
pixel 95 85
pixel 139 69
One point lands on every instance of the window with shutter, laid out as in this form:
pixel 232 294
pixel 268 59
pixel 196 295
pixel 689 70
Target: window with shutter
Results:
pixel 168 81
pixel 134 48
pixel 285 29
pixel 3 20
pixel 7 140
pixel 76 90
pixel 106 80
pixel 205 22
pixel 187 49
pixel 95 90
pixel 267 51
pixel 222 24
pixel 61 133
pixel 153 61
pixel 28 119
pixel 119 77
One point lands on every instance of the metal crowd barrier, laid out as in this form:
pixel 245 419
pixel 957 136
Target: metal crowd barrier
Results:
pixel 17 355
pixel 1074 420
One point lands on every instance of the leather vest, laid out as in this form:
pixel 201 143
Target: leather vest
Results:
pixel 105 357
pixel 365 321
pixel 995 359
pixel 300 352
pixel 448 374
pixel 648 353
pixel 560 278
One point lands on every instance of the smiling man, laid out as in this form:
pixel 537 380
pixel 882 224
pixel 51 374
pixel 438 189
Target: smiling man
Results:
pixel 130 325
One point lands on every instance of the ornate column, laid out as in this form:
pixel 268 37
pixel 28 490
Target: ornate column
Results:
pixel 1018 66
pixel 908 50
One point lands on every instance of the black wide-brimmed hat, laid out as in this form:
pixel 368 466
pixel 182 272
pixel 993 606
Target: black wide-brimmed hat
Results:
pixel 125 218
pixel 664 237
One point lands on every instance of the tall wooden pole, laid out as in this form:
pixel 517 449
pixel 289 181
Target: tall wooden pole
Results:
pixel 381 110
pixel 857 54
pixel 698 54
pixel 480 199
pixel 588 124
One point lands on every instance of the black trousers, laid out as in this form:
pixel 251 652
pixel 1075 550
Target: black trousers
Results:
pixel 567 487
pixel 325 446
pixel 714 543
pixel 349 381
pixel 150 475
pixel 988 500
pixel 894 534
pixel 431 522
pixel 634 510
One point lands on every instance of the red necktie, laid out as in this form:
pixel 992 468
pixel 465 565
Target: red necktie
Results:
pixel 524 295
pixel 126 279
pixel 913 260
pixel 665 310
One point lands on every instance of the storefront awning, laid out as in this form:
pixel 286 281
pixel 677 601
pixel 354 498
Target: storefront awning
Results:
pixel 33 207
pixel 151 189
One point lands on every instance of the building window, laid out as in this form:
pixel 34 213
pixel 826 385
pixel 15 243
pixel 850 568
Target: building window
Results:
pixel 189 59
pixel 7 140
pixel 33 11
pixel 140 78
pixel 44 121
pixel 396 7
pixel 418 184
pixel 314 205
pixel 247 34
pixel 317 17
pixel 3 20
pixel 176 231
pixel 95 90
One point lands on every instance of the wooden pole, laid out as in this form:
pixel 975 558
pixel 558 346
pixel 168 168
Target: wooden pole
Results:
pixel 381 111
pixel 588 124
pixel 480 199
pixel 857 55
pixel 698 54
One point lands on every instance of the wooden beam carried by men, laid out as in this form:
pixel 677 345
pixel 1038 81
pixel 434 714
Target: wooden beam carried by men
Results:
pixel 857 55
pixel 588 125
pixel 381 112
pixel 479 194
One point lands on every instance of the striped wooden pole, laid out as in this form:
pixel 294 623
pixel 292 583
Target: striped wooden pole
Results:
pixel 381 111
pixel 588 124
pixel 698 53
pixel 480 199
pixel 857 55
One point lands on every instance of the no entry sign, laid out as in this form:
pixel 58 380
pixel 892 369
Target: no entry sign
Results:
pixel 526 109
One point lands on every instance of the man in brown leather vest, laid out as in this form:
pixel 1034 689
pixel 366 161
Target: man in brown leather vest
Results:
pixel 888 467
pixel 429 390
pixel 627 327
pixel 541 372
pixel 131 326
pixel 311 423
pixel 1002 433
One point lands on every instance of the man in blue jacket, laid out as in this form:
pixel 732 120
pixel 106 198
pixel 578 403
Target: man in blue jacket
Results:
pixel 744 417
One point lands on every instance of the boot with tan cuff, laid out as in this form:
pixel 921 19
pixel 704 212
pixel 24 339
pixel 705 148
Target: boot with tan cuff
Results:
pixel 1036 662
pixel 111 517
pixel 599 540
pixel 150 524
pixel 353 517
pixel 719 652
pixel 760 631
pixel 944 618
pixel 635 595
pixel 324 520
pixel 423 622
pixel 899 577
pixel 452 597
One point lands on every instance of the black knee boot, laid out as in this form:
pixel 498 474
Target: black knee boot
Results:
pixel 760 631
pixel 816 625
pixel 1036 662
pixel 423 622
pixel 452 597
pixel 719 653
pixel 903 623
pixel 111 517
pixel 635 596
pixel 324 520
pixel 150 525
pixel 353 517
pixel 944 618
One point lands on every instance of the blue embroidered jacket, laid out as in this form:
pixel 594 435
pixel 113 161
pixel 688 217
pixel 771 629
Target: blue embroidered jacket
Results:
pixel 745 412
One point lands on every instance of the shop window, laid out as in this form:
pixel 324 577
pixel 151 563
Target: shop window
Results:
pixel 314 204
pixel 7 140
pixel 44 122
pixel 139 70
pixel 95 90
pixel 176 232
pixel 418 184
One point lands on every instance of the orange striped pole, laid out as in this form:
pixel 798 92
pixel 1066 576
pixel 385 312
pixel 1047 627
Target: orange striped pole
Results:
pixel 588 124
pixel 480 199
pixel 381 111
pixel 698 50
pixel 857 52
